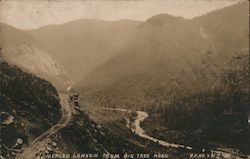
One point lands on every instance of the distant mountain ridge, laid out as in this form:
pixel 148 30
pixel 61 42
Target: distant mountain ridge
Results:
pixel 77 49
pixel 84 44
pixel 162 19
pixel 167 55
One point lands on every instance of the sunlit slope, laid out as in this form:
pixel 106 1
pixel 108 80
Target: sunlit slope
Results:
pixel 167 56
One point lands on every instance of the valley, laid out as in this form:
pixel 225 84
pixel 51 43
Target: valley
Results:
pixel 195 88
pixel 164 87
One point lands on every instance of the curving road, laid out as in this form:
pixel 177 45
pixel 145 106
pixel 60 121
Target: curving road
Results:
pixel 34 147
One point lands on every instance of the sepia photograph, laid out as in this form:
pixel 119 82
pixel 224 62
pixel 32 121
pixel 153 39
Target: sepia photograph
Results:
pixel 124 79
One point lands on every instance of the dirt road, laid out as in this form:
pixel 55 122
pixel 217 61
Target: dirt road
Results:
pixel 34 147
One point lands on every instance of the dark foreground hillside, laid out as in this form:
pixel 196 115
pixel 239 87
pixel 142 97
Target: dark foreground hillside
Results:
pixel 29 106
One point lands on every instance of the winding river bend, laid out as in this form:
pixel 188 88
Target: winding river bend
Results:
pixel 137 129
pixel 141 116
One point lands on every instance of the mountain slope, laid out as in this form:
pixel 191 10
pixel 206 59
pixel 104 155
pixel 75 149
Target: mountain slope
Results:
pixel 155 60
pixel 227 30
pixel 82 45
pixel 20 48
pixel 167 56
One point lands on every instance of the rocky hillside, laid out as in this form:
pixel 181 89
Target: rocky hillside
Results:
pixel 29 106
pixel 20 48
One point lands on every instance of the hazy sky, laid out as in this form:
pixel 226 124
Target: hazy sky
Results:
pixel 28 14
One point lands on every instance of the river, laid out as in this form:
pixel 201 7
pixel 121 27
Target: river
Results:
pixel 137 129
